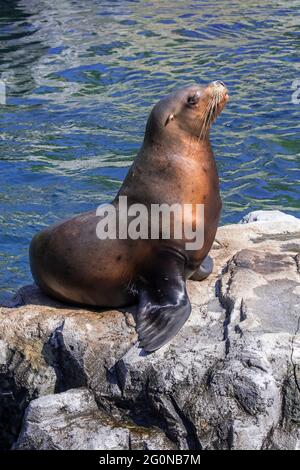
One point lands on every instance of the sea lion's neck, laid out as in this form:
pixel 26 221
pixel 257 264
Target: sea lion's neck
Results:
pixel 189 147
pixel 197 149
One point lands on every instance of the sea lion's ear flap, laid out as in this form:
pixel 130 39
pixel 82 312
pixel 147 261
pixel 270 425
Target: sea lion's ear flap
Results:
pixel 170 118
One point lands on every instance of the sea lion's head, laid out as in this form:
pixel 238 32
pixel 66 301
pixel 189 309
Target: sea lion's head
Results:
pixel 189 111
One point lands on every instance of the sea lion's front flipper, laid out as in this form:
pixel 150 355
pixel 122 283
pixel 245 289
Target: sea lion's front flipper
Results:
pixel 164 305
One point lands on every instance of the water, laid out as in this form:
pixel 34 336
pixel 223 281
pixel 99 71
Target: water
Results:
pixel 82 76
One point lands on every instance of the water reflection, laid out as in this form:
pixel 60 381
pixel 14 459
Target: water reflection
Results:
pixel 82 77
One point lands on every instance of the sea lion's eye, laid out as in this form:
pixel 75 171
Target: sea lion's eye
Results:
pixel 193 99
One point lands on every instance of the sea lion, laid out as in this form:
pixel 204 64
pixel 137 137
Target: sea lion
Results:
pixel 174 165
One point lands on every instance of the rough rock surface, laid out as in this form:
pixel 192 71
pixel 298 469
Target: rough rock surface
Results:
pixel 75 379
pixel 71 420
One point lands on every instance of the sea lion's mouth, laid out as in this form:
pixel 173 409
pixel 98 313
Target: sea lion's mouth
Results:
pixel 217 98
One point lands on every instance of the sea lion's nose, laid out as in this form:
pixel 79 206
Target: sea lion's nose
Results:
pixel 219 89
pixel 219 82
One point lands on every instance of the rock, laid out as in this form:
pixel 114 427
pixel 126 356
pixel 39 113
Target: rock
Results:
pixel 47 348
pixel 267 216
pixel 229 380
pixel 71 420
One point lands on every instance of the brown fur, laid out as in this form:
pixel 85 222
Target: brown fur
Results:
pixel 174 165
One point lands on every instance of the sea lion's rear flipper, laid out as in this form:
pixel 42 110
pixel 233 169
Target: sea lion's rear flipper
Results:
pixel 204 270
pixel 164 305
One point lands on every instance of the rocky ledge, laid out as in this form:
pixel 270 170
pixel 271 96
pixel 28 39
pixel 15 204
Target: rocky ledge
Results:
pixel 75 379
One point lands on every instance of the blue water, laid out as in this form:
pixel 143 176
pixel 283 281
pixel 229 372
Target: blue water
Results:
pixel 81 78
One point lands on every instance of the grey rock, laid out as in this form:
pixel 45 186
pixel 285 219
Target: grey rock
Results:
pixel 71 420
pixel 229 380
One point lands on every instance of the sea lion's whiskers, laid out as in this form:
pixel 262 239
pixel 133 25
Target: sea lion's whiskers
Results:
pixel 210 114
pixel 213 112
pixel 205 120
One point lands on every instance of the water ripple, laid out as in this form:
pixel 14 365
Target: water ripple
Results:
pixel 83 76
